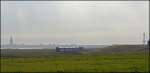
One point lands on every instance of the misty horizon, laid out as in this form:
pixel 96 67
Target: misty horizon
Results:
pixel 74 22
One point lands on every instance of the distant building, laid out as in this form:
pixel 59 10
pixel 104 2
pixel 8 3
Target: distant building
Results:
pixel 11 41
pixel 68 49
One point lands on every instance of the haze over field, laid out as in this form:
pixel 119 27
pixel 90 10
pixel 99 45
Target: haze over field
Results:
pixel 74 22
pixel 74 36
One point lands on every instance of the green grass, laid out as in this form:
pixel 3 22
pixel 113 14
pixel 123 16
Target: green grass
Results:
pixel 78 63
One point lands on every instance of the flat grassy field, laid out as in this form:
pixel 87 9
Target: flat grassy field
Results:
pixel 77 63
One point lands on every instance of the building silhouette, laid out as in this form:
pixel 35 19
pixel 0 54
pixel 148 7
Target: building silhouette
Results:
pixel 11 42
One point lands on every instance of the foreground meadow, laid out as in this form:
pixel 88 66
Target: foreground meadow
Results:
pixel 77 63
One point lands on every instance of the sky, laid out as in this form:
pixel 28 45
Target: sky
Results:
pixel 74 22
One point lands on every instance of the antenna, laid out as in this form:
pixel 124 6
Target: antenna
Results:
pixel 144 38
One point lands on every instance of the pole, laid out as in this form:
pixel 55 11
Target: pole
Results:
pixel 144 38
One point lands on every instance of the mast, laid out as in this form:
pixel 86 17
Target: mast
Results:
pixel 144 38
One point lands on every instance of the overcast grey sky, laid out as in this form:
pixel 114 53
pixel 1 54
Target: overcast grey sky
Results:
pixel 75 22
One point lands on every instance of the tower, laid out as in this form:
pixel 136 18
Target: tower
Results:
pixel 144 38
pixel 11 40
